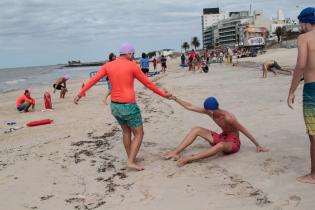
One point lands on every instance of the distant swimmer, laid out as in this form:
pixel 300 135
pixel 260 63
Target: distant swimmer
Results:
pixel 122 72
pixel 25 101
pixel 305 66
pixel 61 84
pixel 227 142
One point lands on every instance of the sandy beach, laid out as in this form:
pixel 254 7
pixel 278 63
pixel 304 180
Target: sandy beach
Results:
pixel 79 162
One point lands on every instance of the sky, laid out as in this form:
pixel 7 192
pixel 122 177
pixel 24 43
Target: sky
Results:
pixel 41 32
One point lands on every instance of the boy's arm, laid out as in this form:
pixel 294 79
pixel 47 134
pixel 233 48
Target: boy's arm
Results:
pixel 243 130
pixel 189 106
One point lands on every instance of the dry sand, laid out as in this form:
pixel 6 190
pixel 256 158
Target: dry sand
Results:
pixel 79 161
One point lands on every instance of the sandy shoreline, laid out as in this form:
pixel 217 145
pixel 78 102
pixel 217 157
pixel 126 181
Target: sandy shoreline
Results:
pixel 79 161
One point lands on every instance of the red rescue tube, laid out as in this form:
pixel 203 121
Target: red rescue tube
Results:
pixel 39 122
pixel 47 100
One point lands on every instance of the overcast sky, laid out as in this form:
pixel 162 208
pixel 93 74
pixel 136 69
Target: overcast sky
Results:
pixel 42 32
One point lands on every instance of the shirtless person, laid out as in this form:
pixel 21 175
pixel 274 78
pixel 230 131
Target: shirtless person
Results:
pixel 227 142
pixel 60 84
pixel 268 66
pixel 305 66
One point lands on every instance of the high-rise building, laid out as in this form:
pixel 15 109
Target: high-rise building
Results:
pixel 240 28
pixel 280 15
pixel 209 17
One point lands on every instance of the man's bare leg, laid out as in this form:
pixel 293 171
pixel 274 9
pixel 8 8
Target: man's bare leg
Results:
pixel 134 148
pixel 310 178
pixel 126 138
pixel 220 147
pixel 189 139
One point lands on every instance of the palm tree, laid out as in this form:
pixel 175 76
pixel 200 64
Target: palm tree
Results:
pixel 195 42
pixel 185 46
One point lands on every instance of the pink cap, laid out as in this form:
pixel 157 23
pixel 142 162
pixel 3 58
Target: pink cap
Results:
pixel 126 48
pixel 66 77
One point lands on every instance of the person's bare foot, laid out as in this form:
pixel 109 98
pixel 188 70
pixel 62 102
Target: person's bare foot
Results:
pixel 171 155
pixel 310 179
pixel 135 166
pixel 183 161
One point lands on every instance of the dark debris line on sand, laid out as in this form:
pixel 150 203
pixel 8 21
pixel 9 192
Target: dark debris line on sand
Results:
pixel 95 150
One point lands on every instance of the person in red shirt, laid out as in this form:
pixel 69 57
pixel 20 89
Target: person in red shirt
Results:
pixel 122 72
pixel 25 101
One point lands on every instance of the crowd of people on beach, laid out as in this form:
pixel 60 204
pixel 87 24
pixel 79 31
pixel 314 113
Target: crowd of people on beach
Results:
pixel 200 61
pixel 121 72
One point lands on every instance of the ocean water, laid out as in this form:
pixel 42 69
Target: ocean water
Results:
pixel 28 77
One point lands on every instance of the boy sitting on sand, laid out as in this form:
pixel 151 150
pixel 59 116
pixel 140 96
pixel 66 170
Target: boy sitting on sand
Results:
pixel 227 142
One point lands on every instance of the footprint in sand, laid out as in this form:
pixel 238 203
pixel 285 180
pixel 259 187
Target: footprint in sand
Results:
pixel 189 189
pixel 273 167
pixel 280 166
pixel 147 195
pixel 295 200
pixel 149 144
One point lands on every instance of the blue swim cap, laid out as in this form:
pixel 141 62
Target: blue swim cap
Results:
pixel 307 15
pixel 211 103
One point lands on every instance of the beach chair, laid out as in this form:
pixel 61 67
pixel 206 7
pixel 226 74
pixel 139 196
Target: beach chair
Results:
pixel 104 79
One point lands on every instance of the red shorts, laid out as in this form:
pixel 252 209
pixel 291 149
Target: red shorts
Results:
pixel 228 138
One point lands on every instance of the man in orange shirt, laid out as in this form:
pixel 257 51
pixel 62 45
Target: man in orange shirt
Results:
pixel 25 101
pixel 122 72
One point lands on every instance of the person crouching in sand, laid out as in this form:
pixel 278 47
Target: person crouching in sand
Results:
pixel 25 101
pixel 61 84
pixel 227 142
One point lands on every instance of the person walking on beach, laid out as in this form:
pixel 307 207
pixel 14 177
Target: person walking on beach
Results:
pixel 163 63
pixel 122 72
pixel 154 61
pixel 183 60
pixel 111 57
pixel 61 84
pixel 227 142
pixel 305 66
pixel 144 63
pixel 25 101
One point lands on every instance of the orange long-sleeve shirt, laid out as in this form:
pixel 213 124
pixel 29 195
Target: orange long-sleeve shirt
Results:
pixel 22 98
pixel 121 73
